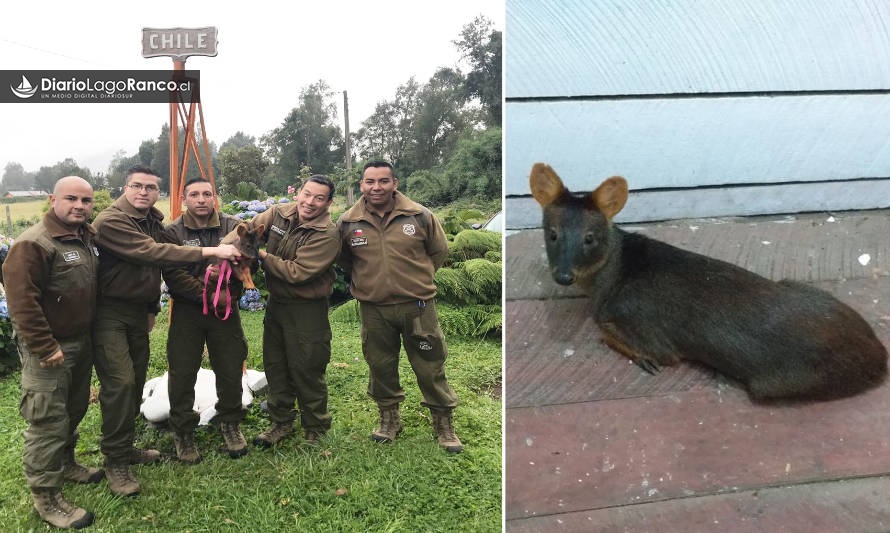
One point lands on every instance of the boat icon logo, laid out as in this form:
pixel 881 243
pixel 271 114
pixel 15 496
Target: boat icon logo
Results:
pixel 24 90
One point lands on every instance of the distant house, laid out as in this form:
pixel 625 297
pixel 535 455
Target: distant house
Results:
pixel 26 194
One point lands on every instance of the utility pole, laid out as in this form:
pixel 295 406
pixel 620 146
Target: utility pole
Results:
pixel 350 199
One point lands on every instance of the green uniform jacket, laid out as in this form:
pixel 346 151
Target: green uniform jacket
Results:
pixel 130 254
pixel 391 260
pixel 187 283
pixel 300 264
pixel 50 278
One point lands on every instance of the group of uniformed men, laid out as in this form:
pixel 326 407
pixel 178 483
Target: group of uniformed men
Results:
pixel 85 295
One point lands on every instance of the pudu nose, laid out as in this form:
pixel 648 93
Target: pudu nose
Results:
pixel 564 278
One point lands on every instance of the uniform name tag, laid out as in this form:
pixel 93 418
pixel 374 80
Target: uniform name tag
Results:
pixel 191 242
pixel 73 255
pixel 276 229
pixel 359 241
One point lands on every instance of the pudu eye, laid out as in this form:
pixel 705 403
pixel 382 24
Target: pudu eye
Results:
pixel 589 239
pixel 552 235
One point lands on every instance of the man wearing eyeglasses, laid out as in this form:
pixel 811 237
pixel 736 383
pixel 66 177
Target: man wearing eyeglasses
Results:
pixel 128 235
pixel 298 262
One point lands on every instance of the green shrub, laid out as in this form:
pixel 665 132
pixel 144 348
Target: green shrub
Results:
pixel 9 353
pixel 346 313
pixel 248 191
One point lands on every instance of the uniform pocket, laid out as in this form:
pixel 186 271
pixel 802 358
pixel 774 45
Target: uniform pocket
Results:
pixel 39 399
pixel 426 336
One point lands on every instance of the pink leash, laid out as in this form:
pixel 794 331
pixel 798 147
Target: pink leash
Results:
pixel 225 272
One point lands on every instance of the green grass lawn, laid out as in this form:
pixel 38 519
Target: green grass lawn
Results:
pixel 349 483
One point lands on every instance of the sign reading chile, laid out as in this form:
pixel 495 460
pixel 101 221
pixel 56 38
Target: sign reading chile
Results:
pixel 179 43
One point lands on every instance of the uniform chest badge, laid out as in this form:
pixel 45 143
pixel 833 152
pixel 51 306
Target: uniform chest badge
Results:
pixel 71 256
pixel 358 238
pixel 409 229
pixel 191 242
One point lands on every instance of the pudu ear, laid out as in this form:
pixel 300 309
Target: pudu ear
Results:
pixel 610 197
pixel 243 228
pixel 260 229
pixel 545 184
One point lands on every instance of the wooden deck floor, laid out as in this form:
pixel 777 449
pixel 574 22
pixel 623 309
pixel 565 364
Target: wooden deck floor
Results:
pixel 595 444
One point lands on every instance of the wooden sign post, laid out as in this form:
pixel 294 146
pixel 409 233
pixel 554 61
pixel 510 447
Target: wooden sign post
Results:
pixel 179 44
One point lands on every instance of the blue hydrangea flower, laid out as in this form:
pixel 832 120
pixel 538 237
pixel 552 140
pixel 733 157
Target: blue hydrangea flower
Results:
pixel 252 300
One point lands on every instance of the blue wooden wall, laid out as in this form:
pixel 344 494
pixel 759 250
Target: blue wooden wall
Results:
pixel 708 108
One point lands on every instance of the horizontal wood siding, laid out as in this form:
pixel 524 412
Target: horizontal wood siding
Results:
pixel 726 99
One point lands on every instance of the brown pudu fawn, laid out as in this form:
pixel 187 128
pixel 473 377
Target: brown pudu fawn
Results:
pixel 246 238
pixel 658 304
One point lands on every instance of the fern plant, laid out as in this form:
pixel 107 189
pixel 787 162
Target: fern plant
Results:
pixel 471 244
pixel 471 320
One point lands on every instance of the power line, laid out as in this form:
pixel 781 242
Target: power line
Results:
pixel 50 52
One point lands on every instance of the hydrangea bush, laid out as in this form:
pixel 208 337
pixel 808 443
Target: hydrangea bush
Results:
pixel 9 353
pixel 245 210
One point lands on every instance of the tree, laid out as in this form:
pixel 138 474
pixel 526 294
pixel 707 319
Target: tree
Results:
pixel 239 140
pixel 15 178
pixel 472 172
pixel 47 177
pixel 420 127
pixel 242 164
pixel 440 118
pixel 309 135
pixel 481 47
pixel 160 159
pixel 117 169
pixel 475 166
pixel 146 153
pixel 389 132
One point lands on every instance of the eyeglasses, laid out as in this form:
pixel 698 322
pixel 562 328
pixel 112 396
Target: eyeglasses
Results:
pixel 148 187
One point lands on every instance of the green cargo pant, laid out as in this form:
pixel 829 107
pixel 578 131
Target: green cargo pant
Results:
pixel 296 353
pixel 416 324
pixel 120 354
pixel 54 401
pixel 189 330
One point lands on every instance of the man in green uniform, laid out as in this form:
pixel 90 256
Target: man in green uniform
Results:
pixel 50 276
pixel 298 262
pixel 128 235
pixel 392 247
pixel 202 225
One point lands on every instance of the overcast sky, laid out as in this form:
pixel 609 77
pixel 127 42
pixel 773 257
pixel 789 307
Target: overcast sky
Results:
pixel 267 52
